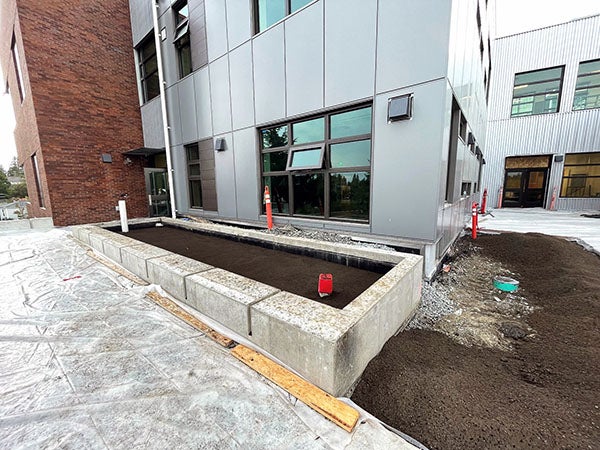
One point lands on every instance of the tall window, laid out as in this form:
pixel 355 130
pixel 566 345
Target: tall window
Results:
pixel 587 89
pixel 38 180
pixel 271 11
pixel 182 39
pixel 148 68
pixel 200 159
pixel 195 182
pixel 320 167
pixel 17 63
pixel 581 175
pixel 537 92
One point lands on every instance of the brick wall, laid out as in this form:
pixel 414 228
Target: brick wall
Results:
pixel 81 75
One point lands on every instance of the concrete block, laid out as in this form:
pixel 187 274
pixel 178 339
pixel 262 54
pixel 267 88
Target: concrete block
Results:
pixel 134 258
pixel 304 335
pixel 14 225
pixel 171 271
pixel 114 243
pixel 41 223
pixel 96 240
pixel 226 297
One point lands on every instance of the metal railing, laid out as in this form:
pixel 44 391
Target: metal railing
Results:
pixel 14 210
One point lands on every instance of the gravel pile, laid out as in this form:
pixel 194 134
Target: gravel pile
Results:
pixel 435 304
pixel 327 236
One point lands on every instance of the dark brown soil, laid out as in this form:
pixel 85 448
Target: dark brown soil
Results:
pixel 544 394
pixel 293 273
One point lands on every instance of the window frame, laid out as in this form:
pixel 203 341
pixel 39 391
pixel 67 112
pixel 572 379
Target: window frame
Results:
pixel 143 76
pixel 587 87
pixel 294 149
pixel 14 50
pixel 190 177
pixel 559 92
pixel 288 11
pixel 577 176
pixel 325 158
pixel 182 38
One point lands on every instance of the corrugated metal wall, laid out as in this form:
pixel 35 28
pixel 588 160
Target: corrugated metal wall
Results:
pixel 564 132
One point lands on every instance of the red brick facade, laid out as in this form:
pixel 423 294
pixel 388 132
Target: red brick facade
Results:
pixel 80 102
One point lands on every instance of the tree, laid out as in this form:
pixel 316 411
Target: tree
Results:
pixel 14 170
pixel 18 190
pixel 4 183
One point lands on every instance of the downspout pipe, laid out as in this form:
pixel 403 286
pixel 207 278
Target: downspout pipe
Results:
pixel 163 107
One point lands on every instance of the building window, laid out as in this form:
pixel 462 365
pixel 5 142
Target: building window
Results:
pixel 537 92
pixel 148 69
pixel 182 39
pixel 38 180
pixel 17 63
pixel 200 158
pixel 320 167
pixel 195 181
pixel 272 11
pixel 581 175
pixel 587 89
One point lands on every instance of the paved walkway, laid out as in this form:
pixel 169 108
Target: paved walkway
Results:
pixel 567 224
pixel 87 362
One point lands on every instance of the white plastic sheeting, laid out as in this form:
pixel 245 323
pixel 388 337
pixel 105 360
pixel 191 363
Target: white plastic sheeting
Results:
pixel 568 224
pixel 87 362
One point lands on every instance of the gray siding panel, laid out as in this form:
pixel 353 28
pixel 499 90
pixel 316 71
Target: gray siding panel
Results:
pixel 179 162
pixel 246 174
pixel 412 42
pixel 152 124
pixel 198 34
pixel 304 60
pixel 238 22
pixel 269 75
pixel 220 95
pixel 216 28
pixel 242 86
pixel 350 30
pixel 174 115
pixel 406 164
pixel 203 110
pixel 140 12
pixel 187 110
pixel 225 178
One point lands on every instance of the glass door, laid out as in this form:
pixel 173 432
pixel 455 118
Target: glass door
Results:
pixel 513 183
pixel 157 190
pixel 535 188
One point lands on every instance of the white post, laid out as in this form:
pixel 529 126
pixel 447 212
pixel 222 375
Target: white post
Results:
pixel 163 107
pixel 123 214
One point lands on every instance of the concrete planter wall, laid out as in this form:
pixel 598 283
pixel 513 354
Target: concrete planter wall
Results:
pixel 329 347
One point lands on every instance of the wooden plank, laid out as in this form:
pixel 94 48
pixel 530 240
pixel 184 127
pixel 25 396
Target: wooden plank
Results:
pixel 178 311
pixel 335 410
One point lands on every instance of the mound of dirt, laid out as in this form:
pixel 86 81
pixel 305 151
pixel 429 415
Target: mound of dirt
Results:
pixel 521 373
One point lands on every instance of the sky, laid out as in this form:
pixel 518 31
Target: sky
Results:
pixel 512 16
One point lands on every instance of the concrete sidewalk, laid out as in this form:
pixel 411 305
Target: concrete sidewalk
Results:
pixel 566 224
pixel 86 361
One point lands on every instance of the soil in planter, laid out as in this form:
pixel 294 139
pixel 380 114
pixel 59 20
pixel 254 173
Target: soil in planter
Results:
pixel 540 392
pixel 293 273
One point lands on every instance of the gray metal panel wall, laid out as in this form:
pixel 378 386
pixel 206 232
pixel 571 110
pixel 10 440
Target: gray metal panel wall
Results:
pixel 412 42
pixel 350 34
pixel 325 55
pixel 197 23
pixel 152 124
pixel 187 110
pixel 239 22
pixel 564 132
pixel 140 12
pixel 304 60
pixel 407 163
